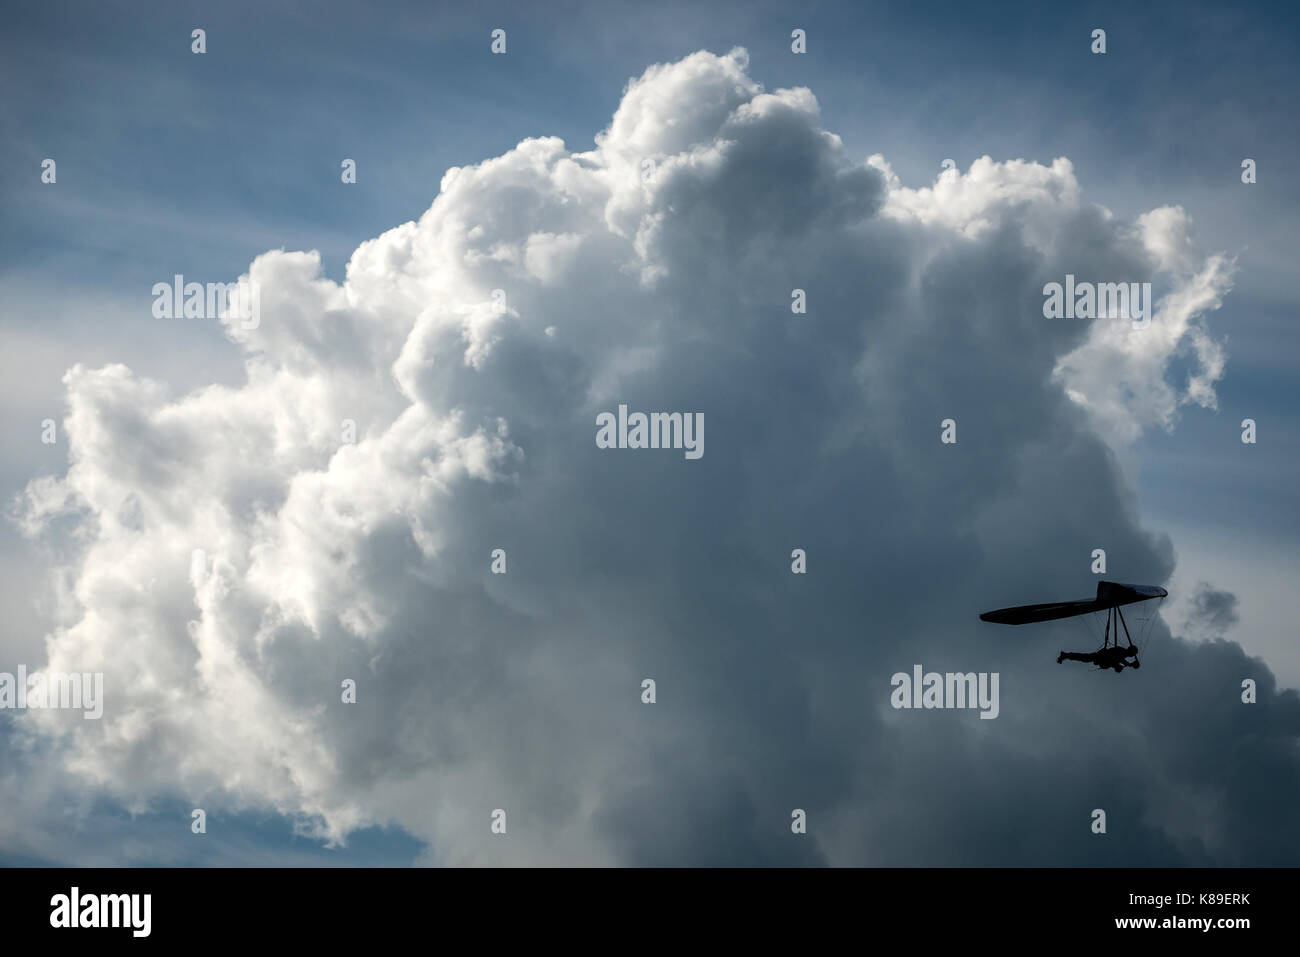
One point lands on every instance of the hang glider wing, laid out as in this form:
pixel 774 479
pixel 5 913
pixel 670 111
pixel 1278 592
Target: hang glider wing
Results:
pixel 1109 595
pixel 1050 611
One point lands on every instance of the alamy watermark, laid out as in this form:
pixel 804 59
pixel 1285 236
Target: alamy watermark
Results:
pixel 179 299
pixel 75 909
pixel 1102 300
pixel 949 690
pixel 654 430
pixel 83 691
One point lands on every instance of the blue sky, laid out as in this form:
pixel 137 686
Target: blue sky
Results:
pixel 170 163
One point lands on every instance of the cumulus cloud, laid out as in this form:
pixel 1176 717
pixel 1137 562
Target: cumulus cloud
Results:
pixel 1120 374
pixel 473 349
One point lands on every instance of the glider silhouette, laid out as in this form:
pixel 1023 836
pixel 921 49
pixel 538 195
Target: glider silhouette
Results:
pixel 1110 596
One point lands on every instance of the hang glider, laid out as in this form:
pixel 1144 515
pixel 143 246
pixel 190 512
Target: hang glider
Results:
pixel 1109 595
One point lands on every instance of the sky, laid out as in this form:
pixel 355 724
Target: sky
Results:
pixel 330 556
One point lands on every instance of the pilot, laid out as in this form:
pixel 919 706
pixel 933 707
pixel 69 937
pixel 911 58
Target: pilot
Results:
pixel 1111 656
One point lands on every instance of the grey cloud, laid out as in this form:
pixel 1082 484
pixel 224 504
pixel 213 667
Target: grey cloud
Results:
pixel 1213 612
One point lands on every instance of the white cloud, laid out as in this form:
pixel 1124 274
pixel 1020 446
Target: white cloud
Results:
pixel 475 430
pixel 1120 373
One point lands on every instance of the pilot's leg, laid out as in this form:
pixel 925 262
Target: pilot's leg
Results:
pixel 1074 656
